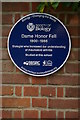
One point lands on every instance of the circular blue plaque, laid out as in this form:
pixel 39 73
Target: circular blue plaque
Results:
pixel 39 44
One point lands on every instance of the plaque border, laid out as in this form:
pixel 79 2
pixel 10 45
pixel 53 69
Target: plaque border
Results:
pixel 45 74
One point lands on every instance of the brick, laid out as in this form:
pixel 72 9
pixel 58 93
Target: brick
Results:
pixel 71 68
pixel 17 114
pixel 0 102
pixel 0 113
pixel 30 114
pixel 72 92
pixel 6 114
pixel 24 14
pixel 0 54
pixel 74 55
pixel 0 90
pixel 5 55
pixel 16 102
pixel 5 30
pixel 34 6
pixel 59 92
pixel 61 71
pixel 7 90
pixel 48 91
pixel 0 43
pixel 15 7
pixel 1 79
pixel 48 114
pixel 7 66
pixel 39 80
pixel 4 42
pixel 17 17
pixel 52 13
pixel 71 114
pixel 18 71
pixel 63 104
pixel 79 114
pixel 31 91
pixel 39 102
pixel 63 80
pixel 79 59
pixel 75 42
pixel 18 90
pixel 60 114
pixel 7 19
pixel 73 19
pixel 15 78
pixel 0 66
pixel 62 17
pixel 74 30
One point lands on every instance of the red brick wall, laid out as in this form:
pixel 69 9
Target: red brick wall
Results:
pixel 54 96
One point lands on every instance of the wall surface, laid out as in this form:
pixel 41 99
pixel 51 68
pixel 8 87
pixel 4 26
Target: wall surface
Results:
pixel 54 96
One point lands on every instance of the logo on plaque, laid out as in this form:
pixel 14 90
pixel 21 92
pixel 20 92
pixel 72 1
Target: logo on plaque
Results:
pixel 30 27
pixel 39 44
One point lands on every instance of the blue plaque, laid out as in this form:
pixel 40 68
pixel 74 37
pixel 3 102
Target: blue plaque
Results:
pixel 39 44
